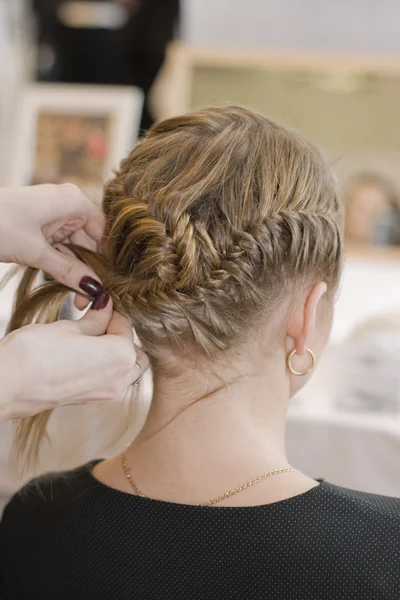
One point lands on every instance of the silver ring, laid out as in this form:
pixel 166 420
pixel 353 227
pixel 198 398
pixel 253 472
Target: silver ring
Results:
pixel 139 379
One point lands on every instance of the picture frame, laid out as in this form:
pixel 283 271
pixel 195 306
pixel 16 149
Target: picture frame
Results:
pixel 74 133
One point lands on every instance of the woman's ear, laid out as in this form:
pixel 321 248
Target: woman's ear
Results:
pixel 302 320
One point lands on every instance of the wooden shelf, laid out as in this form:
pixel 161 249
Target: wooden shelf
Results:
pixel 307 61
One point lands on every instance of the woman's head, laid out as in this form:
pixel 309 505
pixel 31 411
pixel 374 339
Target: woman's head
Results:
pixel 221 226
pixel 214 220
pixel 372 210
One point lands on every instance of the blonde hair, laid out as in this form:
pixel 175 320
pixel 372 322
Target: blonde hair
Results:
pixel 212 218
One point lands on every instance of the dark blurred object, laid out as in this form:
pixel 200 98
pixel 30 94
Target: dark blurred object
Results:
pixel 127 51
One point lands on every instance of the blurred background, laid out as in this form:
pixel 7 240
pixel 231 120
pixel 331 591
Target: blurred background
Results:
pixel 80 82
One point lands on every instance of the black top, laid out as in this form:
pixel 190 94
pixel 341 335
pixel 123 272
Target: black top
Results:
pixel 74 538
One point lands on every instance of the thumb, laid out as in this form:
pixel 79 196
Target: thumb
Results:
pixel 97 319
pixel 64 267
pixel 120 326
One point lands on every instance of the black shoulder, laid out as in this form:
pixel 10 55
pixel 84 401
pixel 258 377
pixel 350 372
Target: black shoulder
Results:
pixel 374 504
pixel 46 497
pixel 369 521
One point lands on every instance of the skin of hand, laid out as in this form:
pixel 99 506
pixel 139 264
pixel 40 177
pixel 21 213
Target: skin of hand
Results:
pixel 92 359
pixel 86 365
pixel 35 220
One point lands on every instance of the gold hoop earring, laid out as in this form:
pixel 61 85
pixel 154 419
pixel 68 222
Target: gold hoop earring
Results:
pixel 300 373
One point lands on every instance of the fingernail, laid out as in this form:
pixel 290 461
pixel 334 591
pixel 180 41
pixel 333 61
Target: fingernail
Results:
pixel 100 302
pixel 91 287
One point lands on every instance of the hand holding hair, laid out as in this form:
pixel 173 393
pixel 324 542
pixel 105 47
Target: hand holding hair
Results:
pixel 67 362
pixel 33 219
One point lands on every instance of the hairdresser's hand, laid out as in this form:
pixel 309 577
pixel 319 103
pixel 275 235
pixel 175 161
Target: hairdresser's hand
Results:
pixel 33 219
pixel 68 362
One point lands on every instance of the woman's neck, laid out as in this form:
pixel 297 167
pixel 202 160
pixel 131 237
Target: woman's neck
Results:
pixel 203 437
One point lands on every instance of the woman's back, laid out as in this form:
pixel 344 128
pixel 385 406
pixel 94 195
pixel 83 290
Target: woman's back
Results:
pixel 75 538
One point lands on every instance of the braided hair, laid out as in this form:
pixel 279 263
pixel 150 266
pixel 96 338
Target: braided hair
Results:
pixel 212 220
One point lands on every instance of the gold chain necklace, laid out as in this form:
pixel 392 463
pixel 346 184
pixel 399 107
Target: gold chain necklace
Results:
pixel 128 475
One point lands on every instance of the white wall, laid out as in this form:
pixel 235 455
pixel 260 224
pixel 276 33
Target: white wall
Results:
pixel 370 287
pixel 360 26
pixel 16 65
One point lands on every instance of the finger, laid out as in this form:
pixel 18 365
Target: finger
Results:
pixel 65 268
pixel 119 325
pixel 80 302
pixel 59 237
pixel 95 322
pixel 70 203
pixel 95 227
pixel 142 359
pixel 138 369
pixel 81 238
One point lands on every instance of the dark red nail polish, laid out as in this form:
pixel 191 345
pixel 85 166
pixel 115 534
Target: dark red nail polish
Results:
pixel 91 287
pixel 101 301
